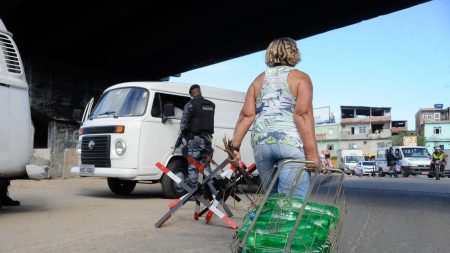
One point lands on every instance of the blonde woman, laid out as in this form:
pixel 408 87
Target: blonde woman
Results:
pixel 279 105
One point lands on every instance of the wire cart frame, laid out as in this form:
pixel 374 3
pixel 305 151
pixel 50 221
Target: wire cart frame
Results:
pixel 278 222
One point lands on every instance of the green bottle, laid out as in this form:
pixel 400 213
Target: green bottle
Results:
pixel 277 220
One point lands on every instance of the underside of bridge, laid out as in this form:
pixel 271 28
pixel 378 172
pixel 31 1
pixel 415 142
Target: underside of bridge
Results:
pixel 154 39
pixel 73 50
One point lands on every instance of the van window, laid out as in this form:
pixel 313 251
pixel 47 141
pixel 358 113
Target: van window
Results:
pixel 161 99
pixel 130 101
pixel 381 153
pixel 415 152
pixel 354 159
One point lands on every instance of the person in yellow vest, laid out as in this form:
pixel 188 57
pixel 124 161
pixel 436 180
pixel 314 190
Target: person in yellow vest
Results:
pixel 438 154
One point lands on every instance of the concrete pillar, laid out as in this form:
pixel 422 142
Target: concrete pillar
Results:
pixel 61 136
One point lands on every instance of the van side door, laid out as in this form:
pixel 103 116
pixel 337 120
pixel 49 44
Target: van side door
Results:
pixel 158 138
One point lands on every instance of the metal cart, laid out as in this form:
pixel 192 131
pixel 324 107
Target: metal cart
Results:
pixel 278 222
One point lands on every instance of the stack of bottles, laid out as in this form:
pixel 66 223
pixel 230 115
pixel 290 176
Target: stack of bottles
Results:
pixel 276 222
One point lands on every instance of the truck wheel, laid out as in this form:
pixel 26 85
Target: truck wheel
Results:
pixel 381 172
pixel 169 187
pixel 121 187
pixel 405 173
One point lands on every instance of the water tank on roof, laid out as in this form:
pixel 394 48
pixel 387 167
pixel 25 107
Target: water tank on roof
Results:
pixel 438 106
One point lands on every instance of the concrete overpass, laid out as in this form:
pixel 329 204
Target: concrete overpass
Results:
pixel 72 50
pixel 153 39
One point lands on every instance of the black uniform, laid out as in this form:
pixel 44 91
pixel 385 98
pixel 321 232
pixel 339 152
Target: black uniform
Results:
pixel 197 125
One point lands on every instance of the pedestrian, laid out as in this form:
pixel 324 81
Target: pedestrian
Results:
pixel 327 154
pixel 197 127
pixel 279 105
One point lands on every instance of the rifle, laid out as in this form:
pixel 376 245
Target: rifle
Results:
pixel 178 143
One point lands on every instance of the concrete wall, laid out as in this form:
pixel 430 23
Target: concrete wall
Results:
pixel 56 89
pixel 61 136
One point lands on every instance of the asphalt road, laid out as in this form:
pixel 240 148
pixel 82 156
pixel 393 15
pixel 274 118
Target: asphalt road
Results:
pixel 82 215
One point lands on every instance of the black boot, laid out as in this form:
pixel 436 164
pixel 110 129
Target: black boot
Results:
pixel 7 201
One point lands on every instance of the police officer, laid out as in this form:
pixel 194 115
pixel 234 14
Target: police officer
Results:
pixel 438 154
pixel 391 160
pixel 197 126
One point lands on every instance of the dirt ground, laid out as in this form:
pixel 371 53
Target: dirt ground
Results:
pixel 82 215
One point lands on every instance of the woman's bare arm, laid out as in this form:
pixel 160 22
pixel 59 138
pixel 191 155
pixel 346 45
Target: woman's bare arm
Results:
pixel 304 116
pixel 248 112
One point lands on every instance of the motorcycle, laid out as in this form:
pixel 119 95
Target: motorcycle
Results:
pixel 438 171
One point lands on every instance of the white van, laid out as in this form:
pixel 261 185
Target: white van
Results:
pixel 130 129
pixel 16 130
pixel 349 158
pixel 413 160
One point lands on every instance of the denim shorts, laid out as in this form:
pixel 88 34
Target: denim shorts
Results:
pixel 267 156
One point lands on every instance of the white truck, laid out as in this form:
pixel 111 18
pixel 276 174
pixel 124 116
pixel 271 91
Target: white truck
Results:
pixel 412 160
pixel 348 159
pixel 16 129
pixel 132 127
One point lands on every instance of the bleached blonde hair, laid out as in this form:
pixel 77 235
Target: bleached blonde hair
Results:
pixel 282 52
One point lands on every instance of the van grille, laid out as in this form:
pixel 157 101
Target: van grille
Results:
pixel 11 55
pixel 98 153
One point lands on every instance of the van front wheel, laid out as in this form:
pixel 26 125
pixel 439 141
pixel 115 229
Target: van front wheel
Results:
pixel 121 187
pixel 169 187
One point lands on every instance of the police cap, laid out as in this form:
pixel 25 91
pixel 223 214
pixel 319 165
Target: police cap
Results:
pixel 194 86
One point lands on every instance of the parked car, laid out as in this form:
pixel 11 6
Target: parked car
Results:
pixel 365 168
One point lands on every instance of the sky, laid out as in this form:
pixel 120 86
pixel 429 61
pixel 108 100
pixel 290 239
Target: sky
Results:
pixel 399 60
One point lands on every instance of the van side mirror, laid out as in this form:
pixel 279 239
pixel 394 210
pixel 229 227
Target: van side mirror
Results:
pixel 76 115
pixel 168 111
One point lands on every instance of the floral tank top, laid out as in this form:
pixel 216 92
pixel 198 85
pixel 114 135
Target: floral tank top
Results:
pixel 274 123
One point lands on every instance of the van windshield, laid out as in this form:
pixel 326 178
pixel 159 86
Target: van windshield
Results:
pixel 130 101
pixel 354 159
pixel 415 152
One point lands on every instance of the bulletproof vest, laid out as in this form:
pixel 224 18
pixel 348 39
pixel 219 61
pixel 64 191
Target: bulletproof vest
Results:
pixel 438 156
pixel 202 120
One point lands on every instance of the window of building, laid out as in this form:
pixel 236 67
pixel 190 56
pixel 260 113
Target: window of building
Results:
pixel 437 116
pixel 437 130
pixel 362 129
pixel 427 116
pixel 351 145
pixel 377 128
pixel 353 130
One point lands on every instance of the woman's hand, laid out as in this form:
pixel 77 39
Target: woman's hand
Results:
pixel 236 160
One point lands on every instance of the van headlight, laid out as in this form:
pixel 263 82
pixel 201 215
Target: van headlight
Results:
pixel 78 147
pixel 120 147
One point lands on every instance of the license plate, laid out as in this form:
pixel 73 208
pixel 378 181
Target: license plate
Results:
pixel 424 172
pixel 87 170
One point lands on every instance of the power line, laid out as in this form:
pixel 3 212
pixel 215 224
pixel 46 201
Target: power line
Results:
pixel 425 95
